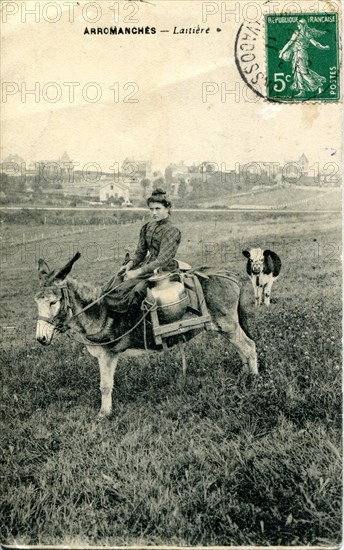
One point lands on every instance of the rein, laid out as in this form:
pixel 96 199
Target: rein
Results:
pixel 63 326
pixel 66 296
pixel 107 343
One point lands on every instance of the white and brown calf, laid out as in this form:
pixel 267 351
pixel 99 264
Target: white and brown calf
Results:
pixel 263 267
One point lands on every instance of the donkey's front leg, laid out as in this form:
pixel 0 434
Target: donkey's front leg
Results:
pixel 107 367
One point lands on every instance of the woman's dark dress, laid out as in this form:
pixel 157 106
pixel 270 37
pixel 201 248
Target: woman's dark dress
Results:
pixel 156 249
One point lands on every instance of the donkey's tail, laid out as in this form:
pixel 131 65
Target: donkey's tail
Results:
pixel 242 316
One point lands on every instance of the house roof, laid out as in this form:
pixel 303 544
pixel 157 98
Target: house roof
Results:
pixel 118 184
pixel 65 158
pixel 267 162
pixel 138 163
pixel 13 158
pixel 303 157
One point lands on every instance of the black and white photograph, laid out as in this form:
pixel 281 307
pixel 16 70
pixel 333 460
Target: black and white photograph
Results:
pixel 171 274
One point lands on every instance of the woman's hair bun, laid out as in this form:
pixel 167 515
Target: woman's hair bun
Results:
pixel 159 195
pixel 159 192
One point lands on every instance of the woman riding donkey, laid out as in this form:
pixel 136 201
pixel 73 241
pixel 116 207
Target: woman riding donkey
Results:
pixel 158 243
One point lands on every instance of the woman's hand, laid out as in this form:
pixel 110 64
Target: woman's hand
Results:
pixel 132 274
pixel 125 268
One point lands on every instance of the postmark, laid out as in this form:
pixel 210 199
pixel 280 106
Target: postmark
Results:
pixel 249 55
pixel 302 57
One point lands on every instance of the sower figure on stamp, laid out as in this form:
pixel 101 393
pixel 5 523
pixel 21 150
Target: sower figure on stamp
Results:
pixel 158 243
pixel 304 78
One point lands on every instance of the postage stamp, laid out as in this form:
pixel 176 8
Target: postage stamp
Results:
pixel 302 57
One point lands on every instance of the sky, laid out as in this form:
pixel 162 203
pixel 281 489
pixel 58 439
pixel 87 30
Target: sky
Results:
pixel 105 98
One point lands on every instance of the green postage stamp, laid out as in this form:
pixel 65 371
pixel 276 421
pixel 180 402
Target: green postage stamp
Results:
pixel 302 57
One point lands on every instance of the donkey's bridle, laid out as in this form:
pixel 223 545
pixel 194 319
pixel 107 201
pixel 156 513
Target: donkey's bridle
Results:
pixel 66 308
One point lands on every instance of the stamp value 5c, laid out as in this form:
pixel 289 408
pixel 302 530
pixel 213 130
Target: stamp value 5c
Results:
pixel 302 57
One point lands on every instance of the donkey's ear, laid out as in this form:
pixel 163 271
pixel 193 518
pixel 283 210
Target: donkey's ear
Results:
pixel 246 253
pixel 62 273
pixel 43 269
pixel 126 257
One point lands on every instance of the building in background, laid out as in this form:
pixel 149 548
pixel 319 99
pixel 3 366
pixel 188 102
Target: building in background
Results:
pixel 12 164
pixel 177 176
pixel 138 175
pixel 117 192
pixel 55 171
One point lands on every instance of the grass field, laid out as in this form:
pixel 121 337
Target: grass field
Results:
pixel 215 461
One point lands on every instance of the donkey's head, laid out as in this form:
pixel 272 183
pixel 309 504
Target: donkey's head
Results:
pixel 51 300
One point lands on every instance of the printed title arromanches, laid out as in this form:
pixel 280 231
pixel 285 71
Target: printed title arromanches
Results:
pixel 120 30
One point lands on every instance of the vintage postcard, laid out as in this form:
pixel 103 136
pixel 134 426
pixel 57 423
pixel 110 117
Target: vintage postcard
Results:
pixel 171 267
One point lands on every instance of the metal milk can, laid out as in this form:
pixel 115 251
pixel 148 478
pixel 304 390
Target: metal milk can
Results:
pixel 170 297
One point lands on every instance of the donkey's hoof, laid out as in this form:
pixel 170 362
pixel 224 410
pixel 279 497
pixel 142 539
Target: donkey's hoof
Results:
pixel 246 380
pixel 103 415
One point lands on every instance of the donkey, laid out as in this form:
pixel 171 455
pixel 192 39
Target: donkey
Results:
pixel 64 302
